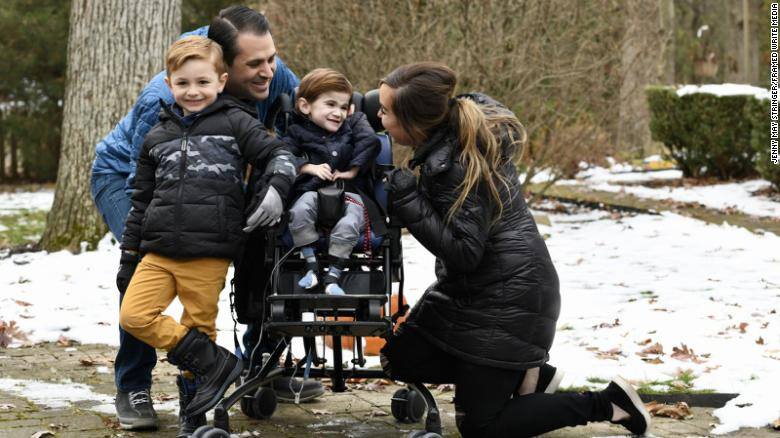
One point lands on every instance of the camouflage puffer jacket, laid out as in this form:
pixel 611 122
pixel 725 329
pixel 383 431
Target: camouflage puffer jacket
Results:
pixel 188 198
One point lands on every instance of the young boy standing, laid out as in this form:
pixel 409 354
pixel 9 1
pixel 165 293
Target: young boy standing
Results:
pixel 185 224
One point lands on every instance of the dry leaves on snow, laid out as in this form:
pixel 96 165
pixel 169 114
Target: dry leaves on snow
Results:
pixel 685 354
pixel 678 411
pixel 10 331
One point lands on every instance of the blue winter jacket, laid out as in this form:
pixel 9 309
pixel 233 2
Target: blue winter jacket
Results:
pixel 117 153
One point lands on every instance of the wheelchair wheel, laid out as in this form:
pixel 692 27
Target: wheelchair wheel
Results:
pixel 209 432
pixel 407 406
pixel 423 434
pixel 261 405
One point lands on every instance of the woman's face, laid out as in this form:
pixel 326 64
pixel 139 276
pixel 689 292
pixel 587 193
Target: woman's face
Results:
pixel 389 120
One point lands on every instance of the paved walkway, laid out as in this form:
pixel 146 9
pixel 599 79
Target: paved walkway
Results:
pixel 364 411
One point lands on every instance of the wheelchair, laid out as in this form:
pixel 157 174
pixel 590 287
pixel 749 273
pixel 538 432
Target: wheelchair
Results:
pixel 365 310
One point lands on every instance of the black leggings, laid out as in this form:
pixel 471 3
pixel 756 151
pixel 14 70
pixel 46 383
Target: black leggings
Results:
pixel 483 395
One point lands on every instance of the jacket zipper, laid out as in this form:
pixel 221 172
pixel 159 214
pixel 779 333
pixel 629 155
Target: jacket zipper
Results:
pixel 182 173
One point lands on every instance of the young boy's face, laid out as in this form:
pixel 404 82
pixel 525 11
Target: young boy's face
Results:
pixel 195 85
pixel 328 111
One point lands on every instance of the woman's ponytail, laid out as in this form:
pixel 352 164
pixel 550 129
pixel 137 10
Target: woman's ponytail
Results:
pixel 480 156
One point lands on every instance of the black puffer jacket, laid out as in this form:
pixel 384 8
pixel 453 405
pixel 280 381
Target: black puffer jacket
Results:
pixel 355 144
pixel 496 299
pixel 188 199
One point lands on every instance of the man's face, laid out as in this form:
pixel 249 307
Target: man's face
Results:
pixel 253 67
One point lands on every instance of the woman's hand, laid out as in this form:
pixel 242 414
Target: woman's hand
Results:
pixel 321 171
pixel 401 182
pixel 350 174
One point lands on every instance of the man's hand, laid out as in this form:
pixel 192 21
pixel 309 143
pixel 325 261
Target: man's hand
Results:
pixel 350 174
pixel 321 171
pixel 268 211
pixel 127 264
pixel 400 182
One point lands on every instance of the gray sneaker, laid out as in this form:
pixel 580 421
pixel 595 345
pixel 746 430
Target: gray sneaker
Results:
pixel 134 410
pixel 309 389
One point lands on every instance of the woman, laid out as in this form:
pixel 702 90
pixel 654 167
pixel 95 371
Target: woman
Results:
pixel 488 322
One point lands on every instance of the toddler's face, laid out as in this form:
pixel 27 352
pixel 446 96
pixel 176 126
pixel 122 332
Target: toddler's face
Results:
pixel 329 110
pixel 195 85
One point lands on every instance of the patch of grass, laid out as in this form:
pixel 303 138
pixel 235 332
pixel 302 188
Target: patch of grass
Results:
pixel 597 380
pixel 21 228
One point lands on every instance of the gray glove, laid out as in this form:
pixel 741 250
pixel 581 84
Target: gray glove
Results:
pixel 268 212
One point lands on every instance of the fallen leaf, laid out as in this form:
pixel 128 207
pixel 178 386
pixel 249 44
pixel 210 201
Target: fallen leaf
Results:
pixel 10 331
pixel 377 413
pixel 686 354
pixel 23 303
pixel 744 405
pixel 760 341
pixel 765 325
pixel 742 327
pixel 678 411
pixel 42 434
pixel 62 341
pixel 645 342
pixel 607 325
pixel 656 348
pixel 87 362
pixel 653 360
pixel 447 387
pixel 321 412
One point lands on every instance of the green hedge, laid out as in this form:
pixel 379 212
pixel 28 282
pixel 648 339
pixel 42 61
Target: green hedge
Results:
pixel 707 135
pixel 758 113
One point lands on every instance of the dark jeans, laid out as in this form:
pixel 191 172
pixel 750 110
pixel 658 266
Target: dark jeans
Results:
pixel 134 360
pixel 483 395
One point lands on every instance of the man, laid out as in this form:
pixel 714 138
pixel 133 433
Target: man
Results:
pixel 256 75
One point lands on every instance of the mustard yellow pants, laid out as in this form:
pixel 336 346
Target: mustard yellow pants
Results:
pixel 156 282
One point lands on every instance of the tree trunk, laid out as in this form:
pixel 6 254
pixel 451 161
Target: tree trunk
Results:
pixel 2 148
pixel 642 64
pixel 14 158
pixel 114 48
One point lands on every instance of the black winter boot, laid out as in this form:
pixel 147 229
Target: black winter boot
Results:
pixel 214 367
pixel 187 390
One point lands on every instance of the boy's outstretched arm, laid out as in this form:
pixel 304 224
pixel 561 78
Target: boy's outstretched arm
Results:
pixel 264 151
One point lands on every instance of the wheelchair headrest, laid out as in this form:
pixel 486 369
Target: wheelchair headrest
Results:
pixel 283 107
pixel 371 108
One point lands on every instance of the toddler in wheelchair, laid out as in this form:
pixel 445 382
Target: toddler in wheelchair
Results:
pixel 337 150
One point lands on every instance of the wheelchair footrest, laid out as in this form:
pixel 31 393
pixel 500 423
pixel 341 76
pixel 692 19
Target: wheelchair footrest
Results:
pixel 311 302
pixel 330 328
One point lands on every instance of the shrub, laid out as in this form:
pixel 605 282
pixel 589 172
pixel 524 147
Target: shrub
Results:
pixel 708 135
pixel 757 111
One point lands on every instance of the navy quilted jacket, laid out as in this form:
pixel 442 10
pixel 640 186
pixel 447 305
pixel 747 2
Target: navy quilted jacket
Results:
pixel 355 144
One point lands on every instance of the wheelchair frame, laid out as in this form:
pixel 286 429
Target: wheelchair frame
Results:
pixel 287 309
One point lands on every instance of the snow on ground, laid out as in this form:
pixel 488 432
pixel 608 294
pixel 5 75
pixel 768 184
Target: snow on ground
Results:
pixel 13 202
pixel 738 196
pixel 668 279
pixel 725 90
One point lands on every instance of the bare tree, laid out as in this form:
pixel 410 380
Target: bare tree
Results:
pixel 642 64
pixel 556 63
pixel 114 48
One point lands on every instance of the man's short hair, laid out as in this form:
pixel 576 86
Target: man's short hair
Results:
pixel 231 21
pixel 194 47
